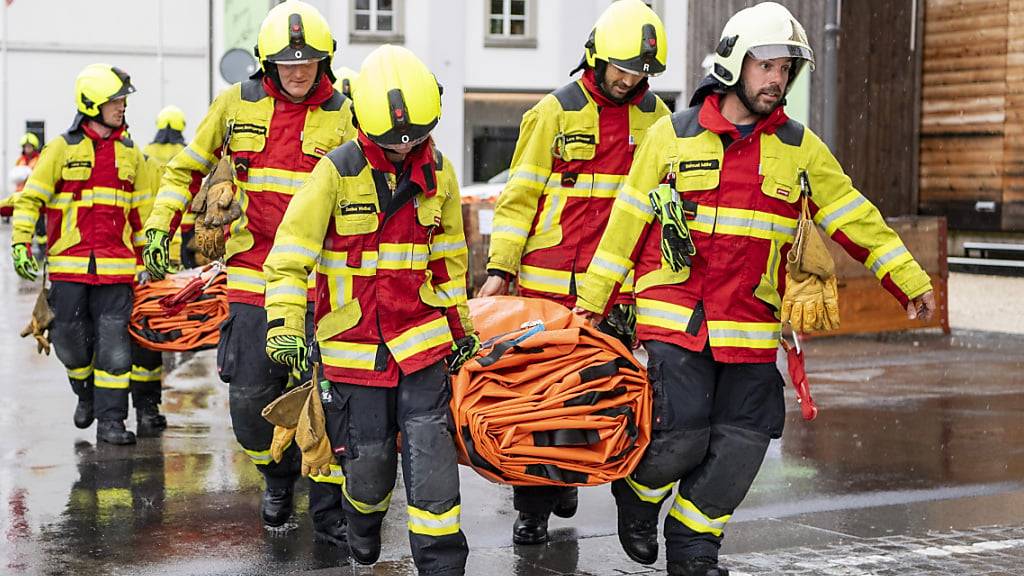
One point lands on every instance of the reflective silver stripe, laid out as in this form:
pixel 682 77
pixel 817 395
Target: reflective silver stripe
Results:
pixel 418 339
pixel 828 220
pixel 663 314
pixel 341 281
pixel 279 180
pixel 743 334
pixel 286 290
pixel 352 355
pixel 607 265
pixel 635 202
pixel 883 260
pixel 410 255
pixel 167 194
pixel 543 279
pixel 452 294
pixel 526 175
pixel 116 265
pixel 195 156
pixel 555 201
pixel 448 246
pixel 294 249
pixel 755 223
pixel 607 185
pixel 434 522
pixel 510 230
pixel 33 186
pixel 649 494
pixel 243 279
pixel 707 219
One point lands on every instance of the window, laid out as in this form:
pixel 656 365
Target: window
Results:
pixel 510 23
pixel 376 21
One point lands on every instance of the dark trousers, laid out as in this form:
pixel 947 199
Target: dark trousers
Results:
pixel 254 381
pixel 90 335
pixel 712 425
pixel 146 376
pixel 363 423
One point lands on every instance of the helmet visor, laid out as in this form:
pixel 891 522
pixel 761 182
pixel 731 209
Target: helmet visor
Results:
pixel 772 51
pixel 638 65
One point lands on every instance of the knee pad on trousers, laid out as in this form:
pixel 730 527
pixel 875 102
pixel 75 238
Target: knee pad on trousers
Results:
pixel 72 343
pixel 114 346
pixel 734 458
pixel 430 462
pixel 670 455
pixel 370 478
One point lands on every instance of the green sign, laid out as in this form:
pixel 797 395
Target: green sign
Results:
pixel 242 19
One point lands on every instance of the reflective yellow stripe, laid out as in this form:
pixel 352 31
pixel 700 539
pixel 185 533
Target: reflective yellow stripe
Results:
pixel 80 373
pixel 756 224
pixel 68 264
pixel 451 293
pixel 245 279
pixel 273 180
pixel 511 231
pixel 173 198
pixel 690 516
pixel 420 338
pixel 447 246
pixel 529 176
pixel 335 477
pixel 428 524
pixel 610 265
pixel 651 495
pixel 887 257
pixel 850 207
pixel 761 335
pixel 140 198
pixel 287 290
pixel 143 374
pixel 348 355
pixel 401 256
pixel 545 280
pixel 586 185
pixel 259 457
pixel 202 159
pixel 363 507
pixel 662 314
pixel 115 266
pixel 636 203
pixel 103 379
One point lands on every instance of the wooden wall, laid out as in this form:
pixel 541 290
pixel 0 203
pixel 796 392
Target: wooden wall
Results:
pixel 878 86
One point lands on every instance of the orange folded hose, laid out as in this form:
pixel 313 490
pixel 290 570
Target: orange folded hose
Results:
pixel 549 400
pixel 182 312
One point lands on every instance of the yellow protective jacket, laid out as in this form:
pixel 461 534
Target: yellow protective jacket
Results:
pixel 274 145
pixel 743 195
pixel 575 148
pixel 390 283
pixel 96 192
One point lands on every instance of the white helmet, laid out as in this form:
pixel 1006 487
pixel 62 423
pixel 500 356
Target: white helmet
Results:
pixel 765 31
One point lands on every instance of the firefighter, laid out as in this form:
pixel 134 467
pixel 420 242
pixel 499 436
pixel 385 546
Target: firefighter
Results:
pixel 712 327
pixel 275 127
pixel 169 140
pixel 94 185
pixel 345 77
pixel 575 148
pixel 381 222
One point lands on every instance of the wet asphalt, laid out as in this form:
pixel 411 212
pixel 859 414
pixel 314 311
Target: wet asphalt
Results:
pixel 918 433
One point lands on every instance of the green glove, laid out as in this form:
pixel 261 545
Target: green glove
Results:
pixel 24 264
pixel 290 350
pixel 676 245
pixel 462 350
pixel 157 253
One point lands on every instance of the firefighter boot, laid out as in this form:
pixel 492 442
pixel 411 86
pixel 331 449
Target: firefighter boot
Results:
pixel 83 413
pixel 276 506
pixel 149 421
pixel 568 502
pixel 530 529
pixel 364 549
pixel 334 533
pixel 638 535
pixel 701 566
pixel 113 432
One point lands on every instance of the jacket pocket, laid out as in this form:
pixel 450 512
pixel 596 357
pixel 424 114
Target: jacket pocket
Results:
pixel 663 276
pixel 660 418
pixel 781 178
pixel 248 138
pixel 338 421
pixel 339 320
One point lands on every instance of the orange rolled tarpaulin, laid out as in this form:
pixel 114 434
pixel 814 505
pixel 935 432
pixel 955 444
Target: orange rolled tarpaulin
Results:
pixel 182 312
pixel 558 403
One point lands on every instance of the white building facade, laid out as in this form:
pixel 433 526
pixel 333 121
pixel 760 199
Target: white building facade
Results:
pixel 495 58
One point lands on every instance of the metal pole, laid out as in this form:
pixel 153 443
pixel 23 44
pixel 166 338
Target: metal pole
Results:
pixel 6 93
pixel 830 63
pixel 160 47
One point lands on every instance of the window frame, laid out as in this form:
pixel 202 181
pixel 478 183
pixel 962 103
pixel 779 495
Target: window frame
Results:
pixel 526 40
pixel 396 35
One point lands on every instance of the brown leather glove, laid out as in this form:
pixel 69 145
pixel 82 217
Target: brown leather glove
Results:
pixel 311 436
pixel 811 305
pixel 39 325
pixel 283 413
pixel 282 439
pixel 215 207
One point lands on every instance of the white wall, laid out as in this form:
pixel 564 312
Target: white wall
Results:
pixel 50 41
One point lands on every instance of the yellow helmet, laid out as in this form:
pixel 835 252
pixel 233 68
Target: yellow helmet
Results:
pixel 98 84
pixel 396 98
pixel 29 138
pixel 764 31
pixel 345 77
pixel 294 32
pixel 171 117
pixel 629 35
